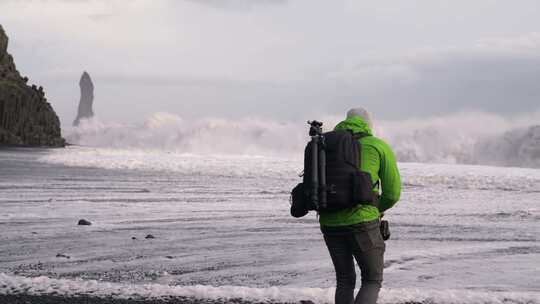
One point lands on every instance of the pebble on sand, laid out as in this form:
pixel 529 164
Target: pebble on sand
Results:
pixel 83 222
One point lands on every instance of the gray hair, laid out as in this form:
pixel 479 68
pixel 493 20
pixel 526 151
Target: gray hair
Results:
pixel 362 113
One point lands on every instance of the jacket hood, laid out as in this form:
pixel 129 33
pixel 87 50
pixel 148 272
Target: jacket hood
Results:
pixel 356 124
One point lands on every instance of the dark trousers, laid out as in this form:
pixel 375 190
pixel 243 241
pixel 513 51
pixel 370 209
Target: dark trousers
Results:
pixel 364 243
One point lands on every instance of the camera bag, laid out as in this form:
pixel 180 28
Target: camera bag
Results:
pixel 346 185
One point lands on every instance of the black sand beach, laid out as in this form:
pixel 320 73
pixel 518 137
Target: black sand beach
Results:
pixel 85 299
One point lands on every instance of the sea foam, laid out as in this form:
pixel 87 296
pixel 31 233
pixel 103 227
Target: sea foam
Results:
pixel 288 169
pixel 43 285
pixel 466 138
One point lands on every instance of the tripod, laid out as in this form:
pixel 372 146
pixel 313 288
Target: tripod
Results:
pixel 317 191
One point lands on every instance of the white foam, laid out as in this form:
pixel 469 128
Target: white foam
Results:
pixel 169 132
pixel 471 177
pixel 191 164
pixel 414 174
pixel 472 138
pixel 10 284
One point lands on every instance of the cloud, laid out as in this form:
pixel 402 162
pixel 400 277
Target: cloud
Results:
pixel 238 4
pixel 101 16
pixel 495 75
pixel 276 58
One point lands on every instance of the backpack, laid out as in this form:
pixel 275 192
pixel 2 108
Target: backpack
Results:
pixel 346 185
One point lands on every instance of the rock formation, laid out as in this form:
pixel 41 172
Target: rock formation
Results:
pixel 87 98
pixel 83 222
pixel 26 118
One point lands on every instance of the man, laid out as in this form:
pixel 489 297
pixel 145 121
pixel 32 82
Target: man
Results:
pixel 354 232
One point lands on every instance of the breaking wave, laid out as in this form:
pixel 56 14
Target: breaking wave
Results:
pixel 164 131
pixel 69 288
pixel 466 138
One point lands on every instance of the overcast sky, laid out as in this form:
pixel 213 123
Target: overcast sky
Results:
pixel 281 59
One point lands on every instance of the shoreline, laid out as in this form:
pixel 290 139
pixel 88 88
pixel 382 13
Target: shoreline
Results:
pixel 23 146
pixel 87 299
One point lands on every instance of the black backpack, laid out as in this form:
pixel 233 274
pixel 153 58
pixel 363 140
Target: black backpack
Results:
pixel 346 185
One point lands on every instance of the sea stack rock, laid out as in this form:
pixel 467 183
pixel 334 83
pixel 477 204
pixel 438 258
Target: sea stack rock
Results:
pixel 26 118
pixel 87 98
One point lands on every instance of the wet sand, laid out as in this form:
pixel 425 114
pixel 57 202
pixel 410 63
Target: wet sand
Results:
pixel 84 299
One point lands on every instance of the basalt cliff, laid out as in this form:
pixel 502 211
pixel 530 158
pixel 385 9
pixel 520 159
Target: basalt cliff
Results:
pixel 26 118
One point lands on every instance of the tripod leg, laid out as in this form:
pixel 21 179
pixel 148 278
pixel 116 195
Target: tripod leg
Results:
pixel 315 171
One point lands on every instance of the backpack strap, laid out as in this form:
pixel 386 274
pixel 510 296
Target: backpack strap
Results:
pixel 357 137
pixel 360 135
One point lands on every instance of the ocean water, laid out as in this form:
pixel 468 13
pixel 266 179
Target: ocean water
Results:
pixel 460 234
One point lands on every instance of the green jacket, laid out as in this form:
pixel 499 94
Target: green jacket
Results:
pixel 378 159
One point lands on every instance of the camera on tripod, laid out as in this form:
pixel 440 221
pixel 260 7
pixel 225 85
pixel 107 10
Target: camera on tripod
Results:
pixel 316 128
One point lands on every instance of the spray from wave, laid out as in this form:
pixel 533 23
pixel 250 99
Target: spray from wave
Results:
pixel 466 138
pixel 164 131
